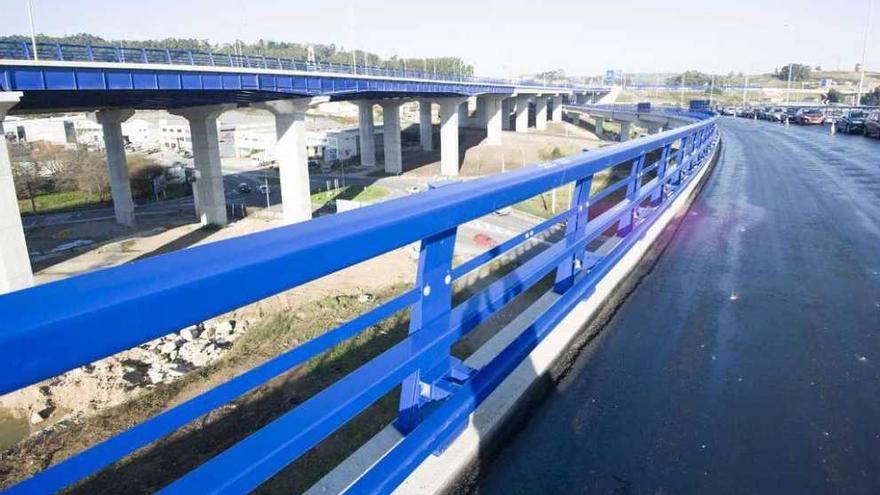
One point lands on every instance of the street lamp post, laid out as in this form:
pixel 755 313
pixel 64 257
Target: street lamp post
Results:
pixel 33 32
pixel 865 52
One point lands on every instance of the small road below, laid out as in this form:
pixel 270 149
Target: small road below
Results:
pixel 748 360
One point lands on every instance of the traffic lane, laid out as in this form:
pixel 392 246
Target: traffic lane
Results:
pixel 747 360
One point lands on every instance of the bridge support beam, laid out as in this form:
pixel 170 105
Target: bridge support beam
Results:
pixel 210 197
pixel 15 263
pixel 600 127
pixel 391 136
pixel 522 113
pixel 366 134
pixel 292 155
pixel 449 124
pixel 120 186
pixel 505 114
pixel 493 119
pixel 557 109
pixel 541 113
pixel 426 126
pixel 625 131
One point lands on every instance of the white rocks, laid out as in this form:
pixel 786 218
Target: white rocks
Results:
pixel 191 333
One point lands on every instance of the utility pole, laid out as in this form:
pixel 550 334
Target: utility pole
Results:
pixel 712 91
pixel 788 88
pixel 865 52
pixel 33 31
pixel 745 90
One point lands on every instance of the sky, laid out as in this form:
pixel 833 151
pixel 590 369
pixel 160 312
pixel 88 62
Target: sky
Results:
pixel 503 38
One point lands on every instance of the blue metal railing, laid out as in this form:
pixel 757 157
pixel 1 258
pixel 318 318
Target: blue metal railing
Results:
pixel 61 52
pixel 96 315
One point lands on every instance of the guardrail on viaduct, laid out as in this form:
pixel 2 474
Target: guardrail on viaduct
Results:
pixel 59 326
pixel 63 52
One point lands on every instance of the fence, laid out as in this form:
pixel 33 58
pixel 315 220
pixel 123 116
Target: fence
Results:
pixel 59 326
pixel 61 52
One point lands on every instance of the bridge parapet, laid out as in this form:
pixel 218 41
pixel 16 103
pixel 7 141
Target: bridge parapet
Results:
pixel 82 323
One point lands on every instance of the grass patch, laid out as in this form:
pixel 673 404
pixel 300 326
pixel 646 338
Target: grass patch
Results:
pixel 60 201
pixel 542 205
pixel 354 193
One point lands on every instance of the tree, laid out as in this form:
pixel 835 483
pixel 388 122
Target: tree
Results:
pixel 28 173
pixel 833 96
pixel 141 171
pixel 872 98
pixel 799 72
pixel 91 172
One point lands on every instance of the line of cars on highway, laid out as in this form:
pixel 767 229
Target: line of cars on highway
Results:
pixel 848 121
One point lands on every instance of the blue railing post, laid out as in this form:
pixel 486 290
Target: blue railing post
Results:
pixel 429 314
pixel 680 158
pixel 144 56
pixel 118 54
pixel 625 225
pixel 90 53
pixel 574 227
pixel 189 54
pixel 26 50
pixel 168 56
pixel 58 51
pixel 658 196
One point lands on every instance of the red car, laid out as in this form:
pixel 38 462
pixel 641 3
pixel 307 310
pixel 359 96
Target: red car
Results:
pixel 814 116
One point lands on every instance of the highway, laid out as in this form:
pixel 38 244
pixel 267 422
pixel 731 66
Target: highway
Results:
pixel 748 360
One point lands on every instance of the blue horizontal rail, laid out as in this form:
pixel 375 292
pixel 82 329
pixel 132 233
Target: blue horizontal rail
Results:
pixel 83 323
pixel 65 52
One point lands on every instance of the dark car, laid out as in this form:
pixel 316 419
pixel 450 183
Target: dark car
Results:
pixel 872 124
pixel 790 114
pixel 852 121
pixel 811 116
pixel 244 188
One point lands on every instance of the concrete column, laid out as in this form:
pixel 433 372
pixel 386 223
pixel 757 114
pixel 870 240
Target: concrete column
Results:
pixel 493 119
pixel 482 118
pixel 625 131
pixel 15 263
pixel 292 155
pixel 391 136
pixel 541 113
pixel 654 127
pixel 600 127
pixel 426 126
pixel 522 113
pixel 505 114
pixel 367 134
pixel 114 145
pixel 210 197
pixel 463 116
pixel 557 108
pixel 449 124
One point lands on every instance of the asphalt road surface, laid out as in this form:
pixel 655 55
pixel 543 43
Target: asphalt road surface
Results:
pixel 748 360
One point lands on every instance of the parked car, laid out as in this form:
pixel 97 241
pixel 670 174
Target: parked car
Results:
pixel 776 114
pixel 264 189
pixel 244 188
pixel 852 121
pixel 728 111
pixel 810 116
pixel 790 114
pixel 872 124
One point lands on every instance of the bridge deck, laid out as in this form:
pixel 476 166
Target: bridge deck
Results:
pixel 748 361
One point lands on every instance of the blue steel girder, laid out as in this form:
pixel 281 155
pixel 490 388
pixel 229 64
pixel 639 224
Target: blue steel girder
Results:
pixel 86 86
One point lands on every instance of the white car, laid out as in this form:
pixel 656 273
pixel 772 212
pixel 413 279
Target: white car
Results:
pixel 264 189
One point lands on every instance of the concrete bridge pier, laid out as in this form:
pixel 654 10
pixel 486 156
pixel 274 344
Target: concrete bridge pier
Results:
pixel 210 198
pixel 449 123
pixel 522 113
pixel 541 113
pixel 291 152
pixel 426 126
pixel 366 133
pixel 600 127
pixel 505 114
pixel 117 165
pixel 625 131
pixel 653 127
pixel 494 117
pixel 15 263
pixel 556 116
pixel 391 136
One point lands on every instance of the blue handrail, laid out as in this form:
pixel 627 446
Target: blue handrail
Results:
pixel 83 324
pixel 67 52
